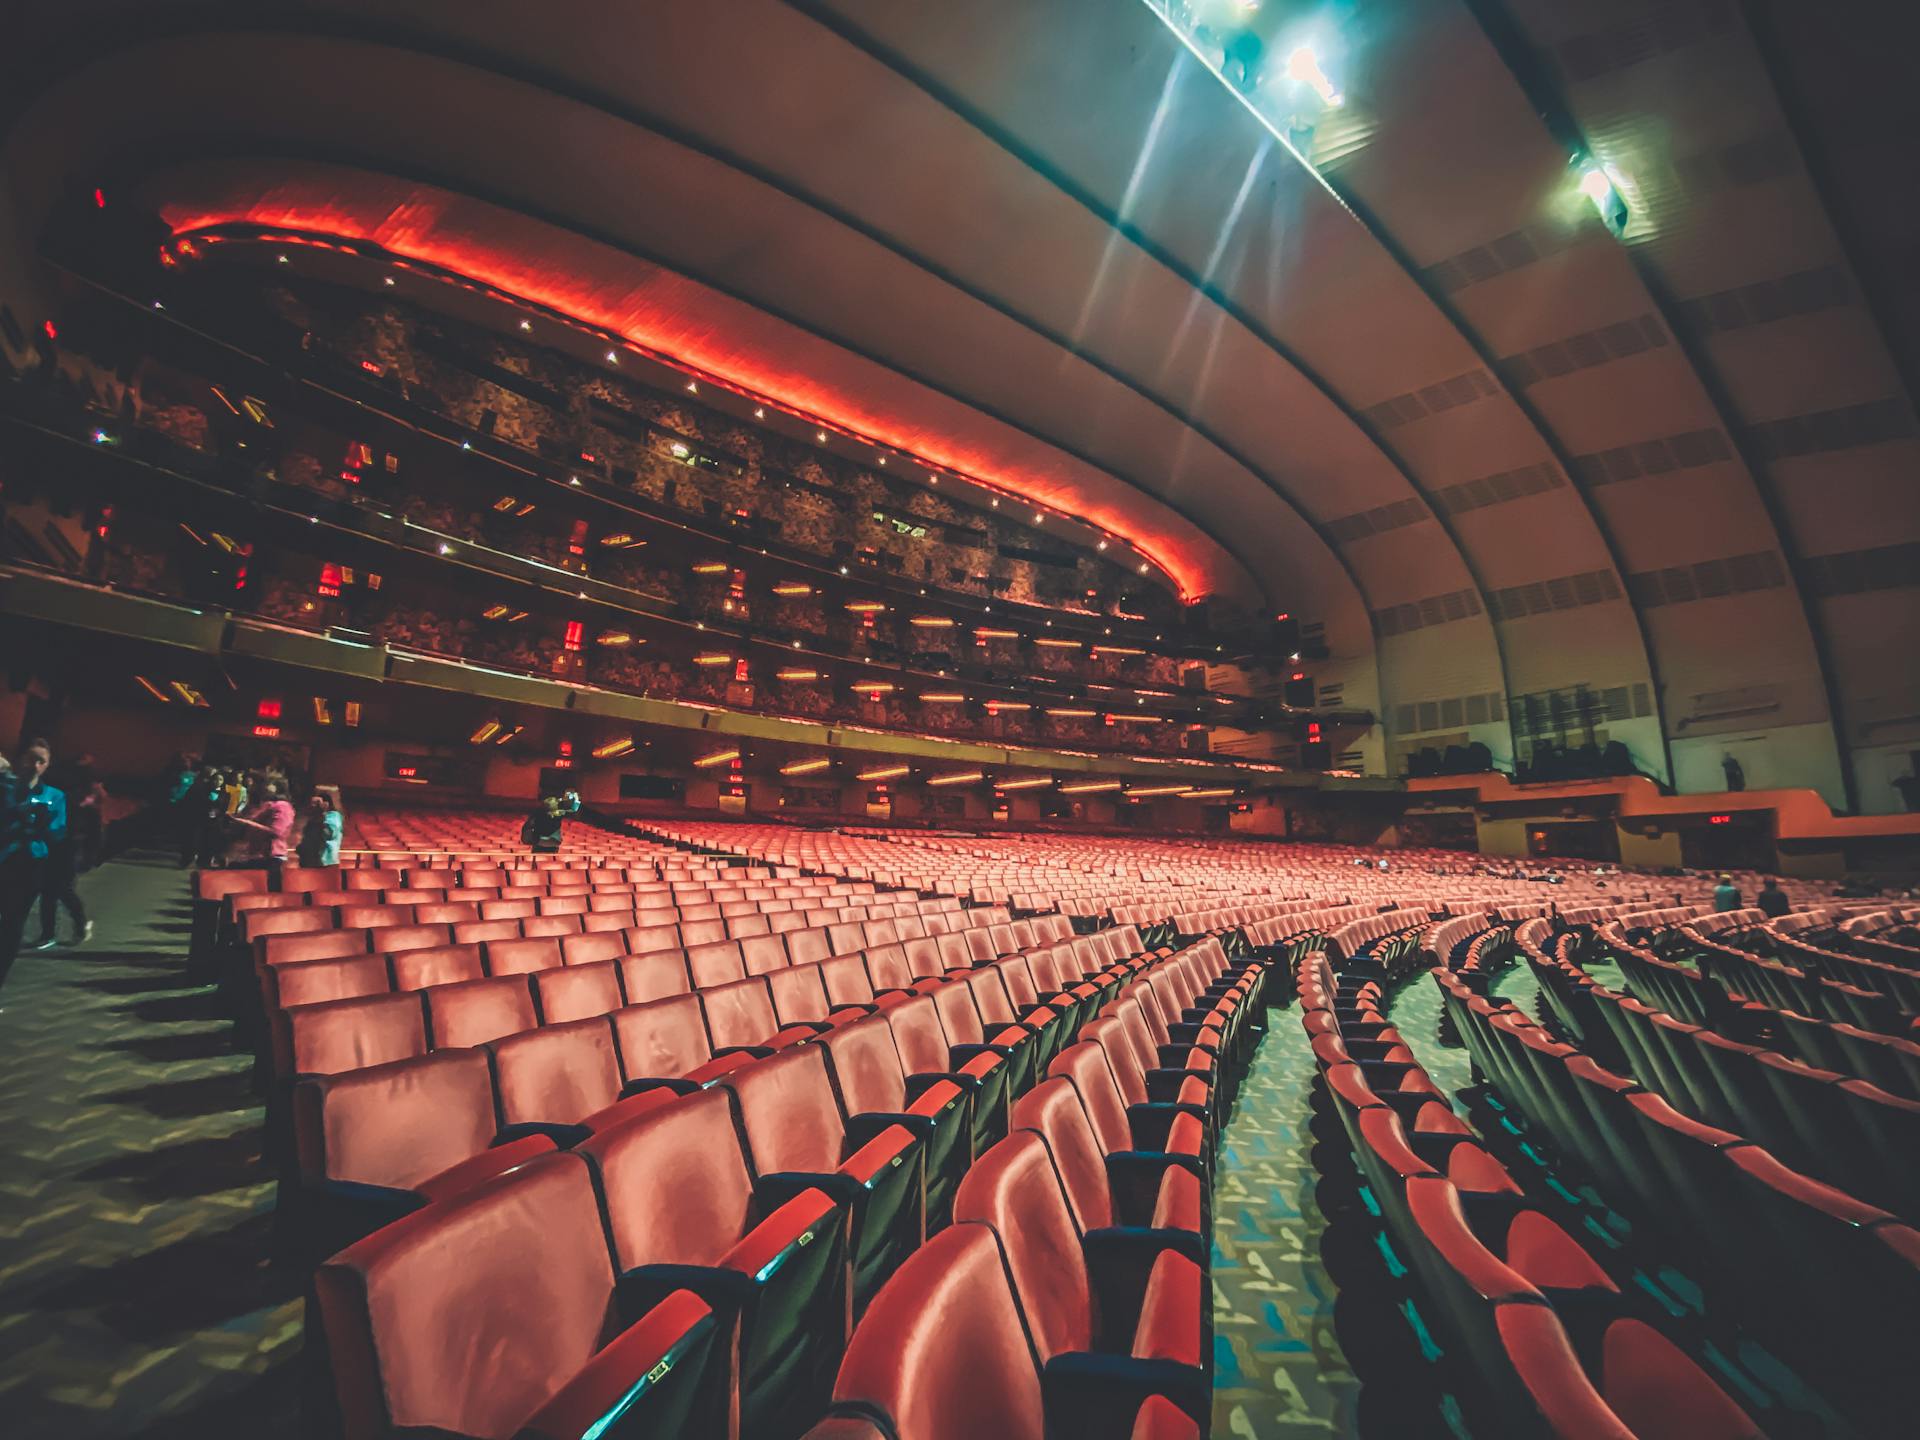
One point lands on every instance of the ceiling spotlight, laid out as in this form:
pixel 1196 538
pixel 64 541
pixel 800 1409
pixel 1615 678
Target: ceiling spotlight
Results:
pixel 1303 65
pixel 388 280
pixel 281 258
pixel 1143 567
pixel 883 459
pixel 526 325
pixel 759 412
pixel 1101 546
pixel 821 436
pixel 692 388
pixel 613 357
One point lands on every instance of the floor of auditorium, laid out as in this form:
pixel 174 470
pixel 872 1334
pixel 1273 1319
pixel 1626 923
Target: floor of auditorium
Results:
pixel 135 1203
pixel 135 1206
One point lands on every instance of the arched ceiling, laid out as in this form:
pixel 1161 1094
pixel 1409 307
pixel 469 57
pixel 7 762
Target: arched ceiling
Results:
pixel 1421 392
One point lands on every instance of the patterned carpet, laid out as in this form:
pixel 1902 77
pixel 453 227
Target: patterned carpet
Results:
pixel 135 1298
pixel 1279 1371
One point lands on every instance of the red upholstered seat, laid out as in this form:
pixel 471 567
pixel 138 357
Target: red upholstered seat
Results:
pixel 797 1137
pixel 679 1193
pixel 1130 1306
pixel 942 1353
pixel 403 1307
pixel 874 1092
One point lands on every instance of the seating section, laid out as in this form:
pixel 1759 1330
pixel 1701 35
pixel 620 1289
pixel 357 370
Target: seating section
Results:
pixel 888 1133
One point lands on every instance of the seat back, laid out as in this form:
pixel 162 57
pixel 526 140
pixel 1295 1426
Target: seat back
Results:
pixel 1052 1109
pixel 524 956
pixel 559 1074
pixel 677 1186
pixel 789 1115
pixel 1013 1190
pixel 739 1013
pixel 436 965
pixel 763 954
pixel 342 1035
pixel 919 1037
pixel 654 976
pixel 453 1280
pixel 866 1067
pixel 577 992
pixel 585 949
pixel 394 1124
pixel 715 963
pixel 1085 1064
pixel 941 1350
pixel 662 1039
pixel 477 1011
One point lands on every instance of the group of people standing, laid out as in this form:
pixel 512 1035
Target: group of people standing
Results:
pixel 243 819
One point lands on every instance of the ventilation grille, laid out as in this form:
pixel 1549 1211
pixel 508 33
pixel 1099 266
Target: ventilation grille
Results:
pixel 1363 523
pixel 1887 567
pixel 1499 489
pixel 1671 28
pixel 1708 580
pixel 1749 162
pixel 1584 351
pixel 1765 301
pixel 1543 597
pixel 1332 695
pixel 1421 716
pixel 1419 614
pixel 1652 457
pixel 1419 404
pixel 1562 712
pixel 1509 252
pixel 1847 428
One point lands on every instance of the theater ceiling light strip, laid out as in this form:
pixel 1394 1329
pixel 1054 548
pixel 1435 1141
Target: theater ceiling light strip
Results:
pixel 970 777
pixel 512 280
pixel 719 757
pixel 1092 787
pixel 1141 793
pixel 804 767
pixel 1024 784
pixel 885 772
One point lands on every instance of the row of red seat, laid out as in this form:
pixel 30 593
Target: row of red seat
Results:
pixel 1552 1348
pixel 1827 1280
pixel 375 1086
pixel 734 1220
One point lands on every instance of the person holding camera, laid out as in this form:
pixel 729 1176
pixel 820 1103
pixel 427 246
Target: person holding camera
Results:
pixel 542 829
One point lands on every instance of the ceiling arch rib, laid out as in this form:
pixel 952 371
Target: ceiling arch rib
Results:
pixel 1132 438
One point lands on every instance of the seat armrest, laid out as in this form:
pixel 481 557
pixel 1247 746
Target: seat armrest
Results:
pixel 646 1381
pixel 869 1124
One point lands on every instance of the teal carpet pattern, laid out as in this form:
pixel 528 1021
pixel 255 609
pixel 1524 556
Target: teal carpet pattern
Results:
pixel 1279 1373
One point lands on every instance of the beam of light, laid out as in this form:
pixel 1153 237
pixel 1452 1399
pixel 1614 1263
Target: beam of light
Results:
pixel 1127 198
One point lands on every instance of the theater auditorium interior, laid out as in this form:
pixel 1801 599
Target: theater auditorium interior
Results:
pixel 1037 719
